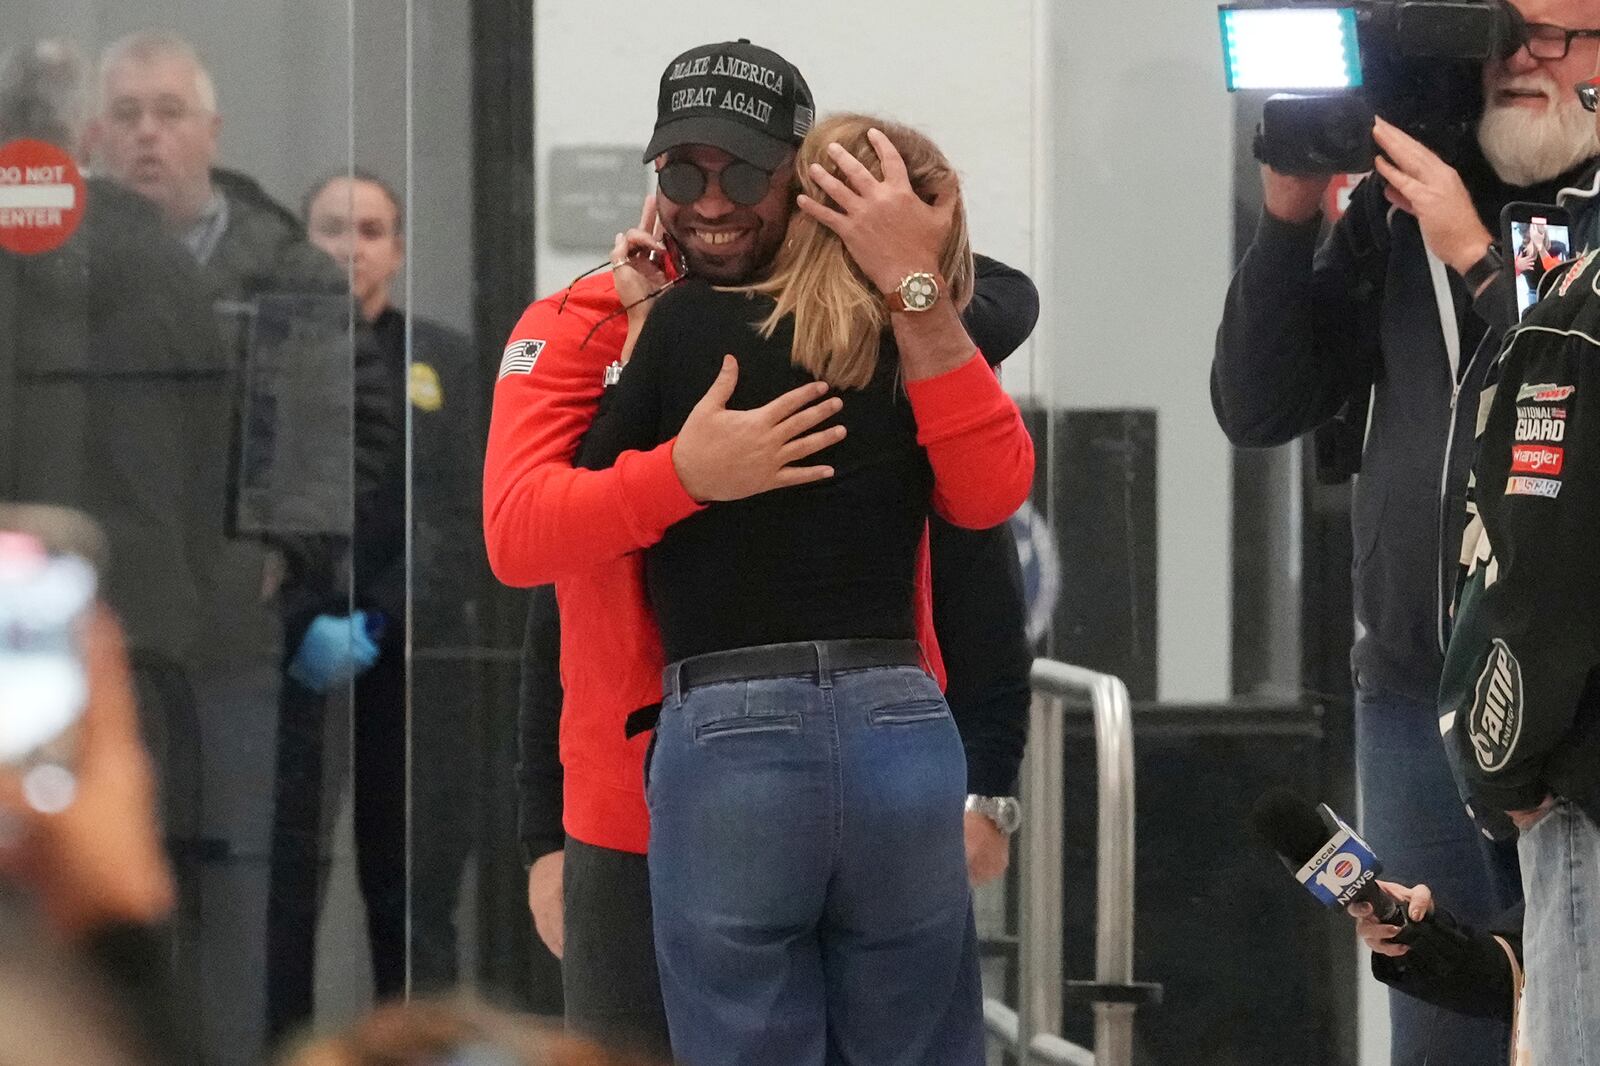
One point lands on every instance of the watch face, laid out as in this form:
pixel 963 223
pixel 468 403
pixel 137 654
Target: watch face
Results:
pixel 1004 811
pixel 1008 814
pixel 919 291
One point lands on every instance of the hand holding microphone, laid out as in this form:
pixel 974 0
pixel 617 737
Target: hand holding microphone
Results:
pixel 1325 855
pixel 1418 903
pixel 1421 952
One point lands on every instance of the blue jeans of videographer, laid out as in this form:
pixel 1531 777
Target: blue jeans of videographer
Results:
pixel 1561 938
pixel 1412 815
pixel 808 873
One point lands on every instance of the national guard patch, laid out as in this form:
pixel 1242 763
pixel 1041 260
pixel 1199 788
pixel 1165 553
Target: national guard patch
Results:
pixel 520 357
pixel 1495 721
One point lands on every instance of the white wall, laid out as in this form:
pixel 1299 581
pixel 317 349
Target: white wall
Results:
pixel 958 71
pixel 1142 202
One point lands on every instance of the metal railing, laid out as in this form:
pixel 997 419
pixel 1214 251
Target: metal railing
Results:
pixel 1113 992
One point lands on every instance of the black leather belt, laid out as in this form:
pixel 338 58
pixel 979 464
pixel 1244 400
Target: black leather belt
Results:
pixel 817 659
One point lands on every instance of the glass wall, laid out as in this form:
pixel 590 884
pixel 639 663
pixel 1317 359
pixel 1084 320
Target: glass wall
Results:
pixel 236 329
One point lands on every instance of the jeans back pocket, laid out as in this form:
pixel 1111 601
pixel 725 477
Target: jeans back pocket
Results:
pixel 899 696
pixel 741 708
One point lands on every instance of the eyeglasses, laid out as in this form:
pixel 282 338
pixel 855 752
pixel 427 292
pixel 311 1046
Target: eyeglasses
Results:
pixel 684 182
pixel 1545 41
pixel 566 293
pixel 166 111
pixel 1589 93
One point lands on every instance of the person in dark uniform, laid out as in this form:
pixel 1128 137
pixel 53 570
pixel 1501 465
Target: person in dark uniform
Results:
pixel 357 220
pixel 302 417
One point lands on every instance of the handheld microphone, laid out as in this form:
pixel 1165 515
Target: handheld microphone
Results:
pixel 1324 854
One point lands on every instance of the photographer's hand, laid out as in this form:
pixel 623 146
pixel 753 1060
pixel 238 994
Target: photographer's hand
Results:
pixel 1423 185
pixel 100 861
pixel 1293 198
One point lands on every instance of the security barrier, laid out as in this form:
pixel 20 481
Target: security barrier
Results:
pixel 1114 993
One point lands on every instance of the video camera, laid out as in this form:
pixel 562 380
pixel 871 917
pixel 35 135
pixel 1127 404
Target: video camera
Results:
pixel 1418 63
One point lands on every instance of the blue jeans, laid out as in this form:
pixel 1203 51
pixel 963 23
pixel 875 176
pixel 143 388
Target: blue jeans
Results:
pixel 1412 815
pixel 1561 938
pixel 808 873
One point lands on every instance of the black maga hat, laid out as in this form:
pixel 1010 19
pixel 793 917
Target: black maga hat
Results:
pixel 749 101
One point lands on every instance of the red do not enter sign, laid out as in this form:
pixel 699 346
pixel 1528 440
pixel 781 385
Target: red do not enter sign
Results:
pixel 41 197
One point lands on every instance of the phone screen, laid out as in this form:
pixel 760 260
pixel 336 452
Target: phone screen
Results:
pixel 1537 245
pixel 44 685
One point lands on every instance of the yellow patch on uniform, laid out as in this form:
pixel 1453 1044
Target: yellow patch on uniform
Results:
pixel 426 392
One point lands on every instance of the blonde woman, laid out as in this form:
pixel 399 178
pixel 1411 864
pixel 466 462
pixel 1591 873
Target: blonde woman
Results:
pixel 806 786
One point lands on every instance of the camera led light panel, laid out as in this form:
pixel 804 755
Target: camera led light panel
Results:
pixel 1287 49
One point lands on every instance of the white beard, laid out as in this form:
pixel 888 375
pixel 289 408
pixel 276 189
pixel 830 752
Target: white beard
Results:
pixel 1525 148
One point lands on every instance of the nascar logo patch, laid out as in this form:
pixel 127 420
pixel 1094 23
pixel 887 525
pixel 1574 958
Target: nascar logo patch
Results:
pixel 520 357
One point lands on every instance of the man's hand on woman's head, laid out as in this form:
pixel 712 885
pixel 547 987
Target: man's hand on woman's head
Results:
pixel 887 228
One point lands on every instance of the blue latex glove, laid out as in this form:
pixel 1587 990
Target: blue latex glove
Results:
pixel 336 650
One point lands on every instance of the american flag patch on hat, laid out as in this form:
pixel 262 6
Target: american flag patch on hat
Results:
pixel 520 357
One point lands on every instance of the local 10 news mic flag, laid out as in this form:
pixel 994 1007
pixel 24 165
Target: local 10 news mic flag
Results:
pixel 1324 854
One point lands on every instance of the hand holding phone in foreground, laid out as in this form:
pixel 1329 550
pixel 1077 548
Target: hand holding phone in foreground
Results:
pixel 99 861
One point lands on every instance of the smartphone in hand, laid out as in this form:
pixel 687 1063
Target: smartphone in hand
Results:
pixel 47 589
pixel 1536 238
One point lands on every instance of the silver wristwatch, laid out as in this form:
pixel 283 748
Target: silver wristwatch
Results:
pixel 1004 811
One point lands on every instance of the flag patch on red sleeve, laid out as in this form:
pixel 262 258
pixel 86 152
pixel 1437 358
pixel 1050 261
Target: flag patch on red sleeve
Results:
pixel 520 357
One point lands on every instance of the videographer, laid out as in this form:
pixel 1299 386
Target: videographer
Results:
pixel 1401 308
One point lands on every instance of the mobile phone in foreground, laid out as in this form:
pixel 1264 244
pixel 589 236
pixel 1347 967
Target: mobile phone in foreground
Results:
pixel 47 589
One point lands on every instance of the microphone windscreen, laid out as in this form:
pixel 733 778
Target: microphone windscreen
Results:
pixel 1289 825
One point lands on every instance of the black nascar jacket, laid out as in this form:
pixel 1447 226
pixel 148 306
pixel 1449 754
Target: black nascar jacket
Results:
pixel 1520 698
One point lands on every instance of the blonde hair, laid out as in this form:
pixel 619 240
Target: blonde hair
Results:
pixel 839 316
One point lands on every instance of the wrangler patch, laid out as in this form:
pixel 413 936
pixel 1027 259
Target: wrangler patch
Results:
pixel 1495 723
pixel 1537 459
